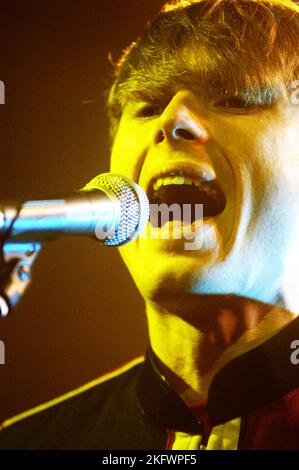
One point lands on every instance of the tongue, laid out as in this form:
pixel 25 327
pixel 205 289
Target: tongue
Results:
pixel 186 194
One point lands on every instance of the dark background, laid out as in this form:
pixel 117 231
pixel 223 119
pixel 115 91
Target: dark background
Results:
pixel 82 315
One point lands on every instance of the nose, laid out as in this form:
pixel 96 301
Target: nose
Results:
pixel 180 122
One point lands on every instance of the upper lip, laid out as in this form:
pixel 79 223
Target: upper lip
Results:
pixel 195 171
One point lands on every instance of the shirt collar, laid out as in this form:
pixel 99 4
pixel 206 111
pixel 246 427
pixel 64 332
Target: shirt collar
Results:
pixel 252 380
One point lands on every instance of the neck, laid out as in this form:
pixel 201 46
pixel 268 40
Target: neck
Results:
pixel 191 347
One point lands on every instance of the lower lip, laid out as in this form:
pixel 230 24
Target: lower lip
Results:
pixel 200 235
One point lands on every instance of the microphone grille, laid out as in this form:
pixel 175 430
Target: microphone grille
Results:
pixel 134 206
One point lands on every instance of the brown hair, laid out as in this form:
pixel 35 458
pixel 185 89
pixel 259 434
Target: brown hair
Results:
pixel 232 46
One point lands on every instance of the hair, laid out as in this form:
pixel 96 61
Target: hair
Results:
pixel 245 47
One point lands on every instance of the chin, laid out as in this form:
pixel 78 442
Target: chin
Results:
pixel 187 281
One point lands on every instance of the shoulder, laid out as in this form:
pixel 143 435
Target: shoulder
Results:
pixel 60 422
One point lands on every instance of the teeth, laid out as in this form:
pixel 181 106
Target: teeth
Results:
pixel 179 180
pixel 170 180
pixel 158 184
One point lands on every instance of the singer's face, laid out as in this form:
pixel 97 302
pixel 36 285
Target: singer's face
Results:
pixel 249 156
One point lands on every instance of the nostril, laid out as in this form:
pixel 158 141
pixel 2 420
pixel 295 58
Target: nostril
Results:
pixel 181 133
pixel 160 137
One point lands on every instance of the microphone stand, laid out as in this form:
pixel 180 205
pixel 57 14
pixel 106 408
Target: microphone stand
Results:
pixel 16 263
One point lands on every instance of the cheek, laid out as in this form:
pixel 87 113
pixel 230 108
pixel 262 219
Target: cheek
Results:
pixel 275 179
pixel 128 151
pixel 269 153
pixel 279 156
pixel 122 160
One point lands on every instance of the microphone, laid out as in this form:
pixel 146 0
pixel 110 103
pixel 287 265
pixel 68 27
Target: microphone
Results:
pixel 111 208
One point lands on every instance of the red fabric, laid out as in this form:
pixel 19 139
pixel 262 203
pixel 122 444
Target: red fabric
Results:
pixel 199 410
pixel 273 427
pixel 170 439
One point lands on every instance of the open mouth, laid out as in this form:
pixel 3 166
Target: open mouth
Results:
pixel 182 189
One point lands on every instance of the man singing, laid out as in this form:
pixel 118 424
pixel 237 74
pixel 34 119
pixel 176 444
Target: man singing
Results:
pixel 203 110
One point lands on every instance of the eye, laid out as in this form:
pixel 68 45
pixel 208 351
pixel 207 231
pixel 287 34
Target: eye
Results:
pixel 236 102
pixel 244 104
pixel 148 110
